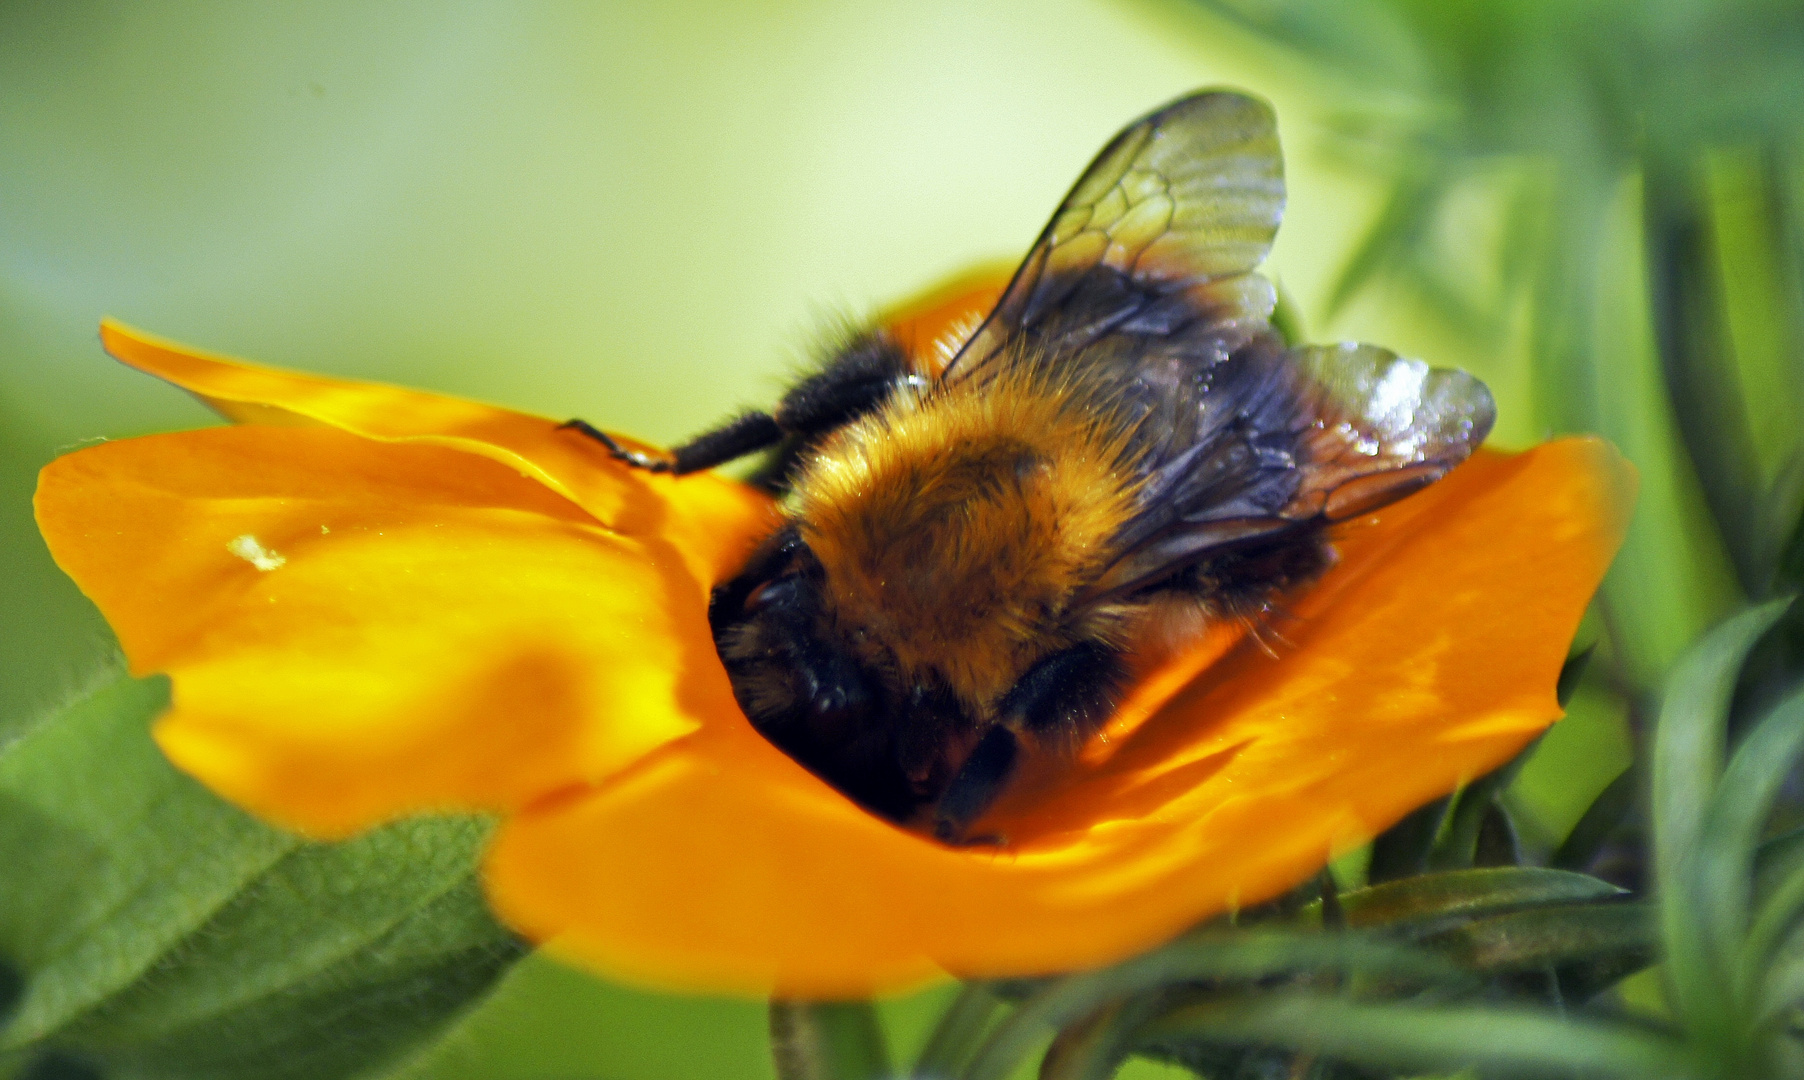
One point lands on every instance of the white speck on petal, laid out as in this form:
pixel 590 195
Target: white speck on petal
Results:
pixel 323 530
pixel 247 548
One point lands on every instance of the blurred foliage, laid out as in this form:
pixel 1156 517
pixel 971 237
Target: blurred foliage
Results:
pixel 568 209
pixel 1614 188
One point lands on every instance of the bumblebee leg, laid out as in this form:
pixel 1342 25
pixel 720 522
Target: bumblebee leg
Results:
pixel 1066 695
pixel 852 383
pixel 859 378
pixel 982 777
pixel 735 438
pixel 631 457
pixel 856 380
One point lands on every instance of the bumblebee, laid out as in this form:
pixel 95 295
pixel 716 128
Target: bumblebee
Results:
pixel 1121 454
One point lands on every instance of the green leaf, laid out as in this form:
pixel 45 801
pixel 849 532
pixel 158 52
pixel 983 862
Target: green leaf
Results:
pixel 1601 818
pixel 1456 845
pixel 1672 580
pixel 1361 39
pixel 1692 336
pixel 163 933
pixel 1725 857
pixel 1094 1046
pixel 1687 760
pixel 1497 842
pixel 1240 955
pixel 1408 213
pixel 1401 851
pixel 1446 1038
pixel 959 1031
pixel 1572 673
pixel 1287 318
pixel 1772 922
pixel 1616 938
pixel 1776 860
pixel 1431 899
pixel 1781 991
pixel 828 1040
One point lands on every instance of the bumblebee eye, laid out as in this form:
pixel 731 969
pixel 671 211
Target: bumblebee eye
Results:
pixel 778 591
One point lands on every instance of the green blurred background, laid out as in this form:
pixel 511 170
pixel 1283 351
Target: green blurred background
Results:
pixel 637 216
pixel 643 216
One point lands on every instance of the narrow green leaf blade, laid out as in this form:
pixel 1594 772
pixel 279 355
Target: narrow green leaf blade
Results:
pixel 162 933
pixel 961 1027
pixel 1619 936
pixel 1776 860
pixel 1765 962
pixel 1094 1047
pixel 827 1040
pixel 1600 819
pixel 1402 850
pixel 1691 334
pixel 1687 760
pixel 1781 990
pixel 1465 894
pixel 1244 955
pixel 1445 1039
pixel 1731 836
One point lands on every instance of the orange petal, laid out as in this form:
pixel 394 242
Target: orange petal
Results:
pixel 1427 657
pixel 713 521
pixel 359 629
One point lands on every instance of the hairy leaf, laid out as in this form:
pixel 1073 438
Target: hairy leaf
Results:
pixel 161 933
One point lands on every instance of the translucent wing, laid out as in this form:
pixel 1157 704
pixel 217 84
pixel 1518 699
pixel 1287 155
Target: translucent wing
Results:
pixel 1140 298
pixel 1160 233
pixel 1292 440
pixel 1386 426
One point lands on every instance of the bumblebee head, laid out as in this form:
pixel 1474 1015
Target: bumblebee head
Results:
pixel 836 707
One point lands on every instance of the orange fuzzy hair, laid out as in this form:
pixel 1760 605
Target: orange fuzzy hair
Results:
pixel 955 527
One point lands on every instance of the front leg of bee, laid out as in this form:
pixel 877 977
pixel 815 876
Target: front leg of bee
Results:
pixel 739 436
pixel 1064 697
pixel 856 380
pixel 977 783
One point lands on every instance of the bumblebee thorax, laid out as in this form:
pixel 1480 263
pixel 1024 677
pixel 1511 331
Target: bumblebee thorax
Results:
pixel 954 531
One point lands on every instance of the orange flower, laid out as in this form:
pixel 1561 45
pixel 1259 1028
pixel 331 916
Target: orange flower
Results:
pixel 375 602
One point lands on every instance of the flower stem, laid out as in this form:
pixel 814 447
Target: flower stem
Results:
pixel 827 1040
